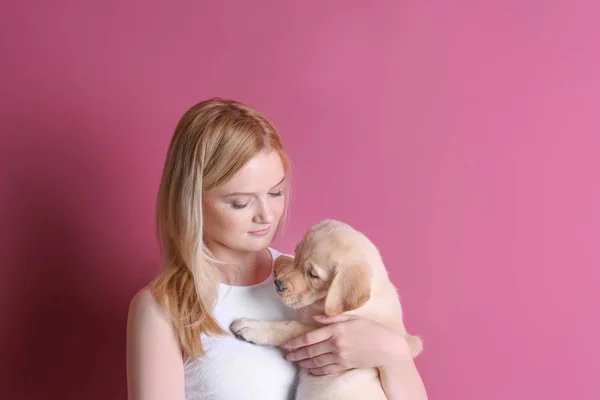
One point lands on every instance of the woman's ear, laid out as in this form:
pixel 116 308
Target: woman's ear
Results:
pixel 349 290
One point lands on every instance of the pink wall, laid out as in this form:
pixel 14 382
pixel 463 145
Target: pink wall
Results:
pixel 463 138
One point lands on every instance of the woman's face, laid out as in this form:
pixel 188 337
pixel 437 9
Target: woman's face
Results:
pixel 243 214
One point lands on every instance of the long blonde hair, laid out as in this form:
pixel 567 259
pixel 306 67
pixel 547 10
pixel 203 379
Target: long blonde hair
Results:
pixel 213 140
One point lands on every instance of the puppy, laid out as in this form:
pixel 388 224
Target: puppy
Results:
pixel 336 270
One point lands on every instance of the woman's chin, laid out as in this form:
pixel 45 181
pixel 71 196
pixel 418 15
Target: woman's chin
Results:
pixel 255 244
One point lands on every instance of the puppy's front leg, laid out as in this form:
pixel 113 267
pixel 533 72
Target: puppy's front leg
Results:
pixel 273 333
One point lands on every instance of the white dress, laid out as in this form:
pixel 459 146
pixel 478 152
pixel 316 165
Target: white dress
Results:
pixel 232 369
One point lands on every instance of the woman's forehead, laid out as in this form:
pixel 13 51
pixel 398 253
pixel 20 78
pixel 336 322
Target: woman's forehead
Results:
pixel 260 174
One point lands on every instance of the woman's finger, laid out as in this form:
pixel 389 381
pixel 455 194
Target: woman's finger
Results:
pixel 311 351
pixel 324 319
pixel 319 361
pixel 327 370
pixel 310 338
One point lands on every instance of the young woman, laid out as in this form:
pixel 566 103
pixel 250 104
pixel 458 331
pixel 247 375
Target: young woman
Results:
pixel 221 201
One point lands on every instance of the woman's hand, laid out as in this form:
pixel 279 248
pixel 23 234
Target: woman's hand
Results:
pixel 347 342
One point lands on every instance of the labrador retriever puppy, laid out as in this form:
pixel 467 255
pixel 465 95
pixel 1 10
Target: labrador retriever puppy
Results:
pixel 336 270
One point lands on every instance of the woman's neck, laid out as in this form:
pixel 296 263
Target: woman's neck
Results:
pixel 242 268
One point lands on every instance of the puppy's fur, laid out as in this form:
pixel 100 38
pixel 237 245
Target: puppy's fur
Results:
pixel 336 270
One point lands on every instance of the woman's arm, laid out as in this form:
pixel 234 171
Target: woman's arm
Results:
pixel 154 360
pixel 355 342
pixel 399 375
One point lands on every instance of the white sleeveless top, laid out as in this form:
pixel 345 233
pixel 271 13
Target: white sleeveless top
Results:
pixel 233 369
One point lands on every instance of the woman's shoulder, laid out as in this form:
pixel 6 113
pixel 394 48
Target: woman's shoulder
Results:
pixel 143 301
pixel 154 357
pixel 145 310
pixel 148 319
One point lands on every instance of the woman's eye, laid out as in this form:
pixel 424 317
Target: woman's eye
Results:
pixel 277 194
pixel 239 206
pixel 311 274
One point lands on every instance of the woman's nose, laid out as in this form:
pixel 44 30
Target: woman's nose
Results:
pixel 265 215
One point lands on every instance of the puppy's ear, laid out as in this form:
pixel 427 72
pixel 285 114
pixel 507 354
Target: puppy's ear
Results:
pixel 282 263
pixel 350 289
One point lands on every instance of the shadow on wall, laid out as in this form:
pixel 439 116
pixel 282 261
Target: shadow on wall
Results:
pixel 64 317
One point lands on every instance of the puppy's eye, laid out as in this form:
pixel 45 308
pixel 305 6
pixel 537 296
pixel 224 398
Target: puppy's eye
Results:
pixel 312 275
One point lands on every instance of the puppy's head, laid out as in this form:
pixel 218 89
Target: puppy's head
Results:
pixel 328 266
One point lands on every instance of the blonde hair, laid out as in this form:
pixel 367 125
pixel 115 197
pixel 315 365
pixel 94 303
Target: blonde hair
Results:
pixel 213 140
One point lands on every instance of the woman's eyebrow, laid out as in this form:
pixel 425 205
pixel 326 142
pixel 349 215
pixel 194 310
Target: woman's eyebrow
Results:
pixel 250 194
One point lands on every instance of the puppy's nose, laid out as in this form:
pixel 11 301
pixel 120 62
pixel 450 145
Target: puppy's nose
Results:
pixel 279 285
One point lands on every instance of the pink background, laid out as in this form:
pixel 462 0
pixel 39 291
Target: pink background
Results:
pixel 461 136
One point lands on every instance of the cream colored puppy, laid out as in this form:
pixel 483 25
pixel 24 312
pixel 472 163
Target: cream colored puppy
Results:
pixel 336 270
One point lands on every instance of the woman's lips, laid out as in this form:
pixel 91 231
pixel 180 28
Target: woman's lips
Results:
pixel 261 232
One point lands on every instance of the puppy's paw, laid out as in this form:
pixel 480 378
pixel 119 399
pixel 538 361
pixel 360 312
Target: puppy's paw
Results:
pixel 247 329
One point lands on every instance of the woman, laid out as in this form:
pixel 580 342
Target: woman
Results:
pixel 221 201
